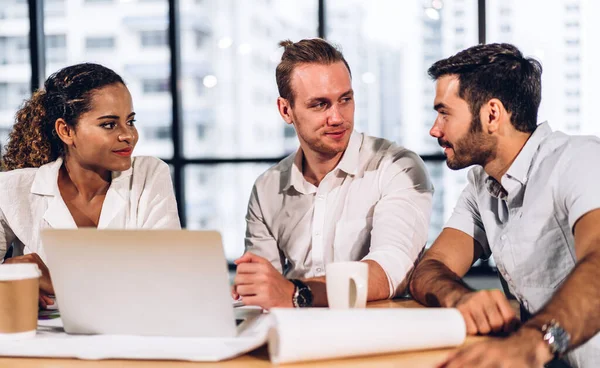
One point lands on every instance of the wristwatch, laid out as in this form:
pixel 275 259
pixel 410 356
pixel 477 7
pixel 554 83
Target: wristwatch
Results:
pixel 303 296
pixel 556 337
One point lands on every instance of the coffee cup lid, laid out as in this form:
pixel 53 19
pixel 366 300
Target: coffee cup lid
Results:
pixel 19 271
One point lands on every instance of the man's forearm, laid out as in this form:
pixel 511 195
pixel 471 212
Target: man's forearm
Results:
pixel 435 285
pixel 379 286
pixel 576 304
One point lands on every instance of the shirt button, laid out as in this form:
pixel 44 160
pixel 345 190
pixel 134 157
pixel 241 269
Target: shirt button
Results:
pixel 320 197
pixel 503 237
pixel 319 269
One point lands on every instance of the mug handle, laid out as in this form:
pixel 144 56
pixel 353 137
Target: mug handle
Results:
pixel 361 292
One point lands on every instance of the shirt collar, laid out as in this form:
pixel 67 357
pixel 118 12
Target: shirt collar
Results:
pixel 296 178
pixel 349 161
pixel 293 168
pixel 45 181
pixel 519 169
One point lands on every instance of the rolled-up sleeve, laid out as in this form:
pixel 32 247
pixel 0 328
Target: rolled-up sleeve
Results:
pixel 466 216
pixel 401 218
pixel 259 239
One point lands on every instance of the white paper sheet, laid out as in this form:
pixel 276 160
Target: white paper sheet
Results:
pixel 52 341
pixel 313 334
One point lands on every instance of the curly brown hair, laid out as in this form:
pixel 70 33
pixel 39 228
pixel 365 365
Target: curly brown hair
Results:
pixel 66 95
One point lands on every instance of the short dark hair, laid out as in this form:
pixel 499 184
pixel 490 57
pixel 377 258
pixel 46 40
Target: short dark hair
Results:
pixel 500 71
pixel 313 50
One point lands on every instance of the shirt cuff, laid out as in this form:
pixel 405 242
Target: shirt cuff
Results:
pixel 580 208
pixel 396 268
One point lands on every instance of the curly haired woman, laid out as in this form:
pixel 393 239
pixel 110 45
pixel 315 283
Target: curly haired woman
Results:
pixel 69 164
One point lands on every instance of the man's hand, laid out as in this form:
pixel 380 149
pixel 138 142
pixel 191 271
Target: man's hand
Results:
pixel 524 349
pixel 46 287
pixel 487 311
pixel 259 283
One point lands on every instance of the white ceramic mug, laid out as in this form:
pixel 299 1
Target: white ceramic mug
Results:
pixel 347 284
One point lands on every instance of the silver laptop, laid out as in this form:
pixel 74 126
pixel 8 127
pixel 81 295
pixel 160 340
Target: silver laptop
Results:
pixel 141 282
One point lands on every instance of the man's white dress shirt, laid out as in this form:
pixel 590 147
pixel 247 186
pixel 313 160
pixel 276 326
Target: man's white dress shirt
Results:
pixel 527 220
pixel 139 198
pixel 375 205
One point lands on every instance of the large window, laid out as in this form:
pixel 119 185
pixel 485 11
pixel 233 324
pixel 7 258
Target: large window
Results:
pixel 225 100
pixel 15 69
pixel 563 41
pixel 129 37
pixel 390 45
pixel 203 86
pixel 229 53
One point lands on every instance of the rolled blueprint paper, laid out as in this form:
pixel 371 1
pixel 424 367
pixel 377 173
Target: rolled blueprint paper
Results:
pixel 313 334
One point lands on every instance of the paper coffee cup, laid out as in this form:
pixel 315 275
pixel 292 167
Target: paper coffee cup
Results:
pixel 19 292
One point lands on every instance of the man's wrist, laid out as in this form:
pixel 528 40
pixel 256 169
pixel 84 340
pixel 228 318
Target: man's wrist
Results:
pixel 453 297
pixel 291 294
pixel 533 336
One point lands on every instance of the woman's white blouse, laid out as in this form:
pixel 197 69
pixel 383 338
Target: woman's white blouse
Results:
pixel 139 198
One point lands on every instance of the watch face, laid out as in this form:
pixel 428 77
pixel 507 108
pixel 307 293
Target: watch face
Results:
pixel 304 297
pixel 559 339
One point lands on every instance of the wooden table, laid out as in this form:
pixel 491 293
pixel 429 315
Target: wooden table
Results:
pixel 259 358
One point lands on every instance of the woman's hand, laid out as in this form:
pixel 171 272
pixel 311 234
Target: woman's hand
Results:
pixel 46 288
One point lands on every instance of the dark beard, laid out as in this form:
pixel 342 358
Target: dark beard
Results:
pixel 475 148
